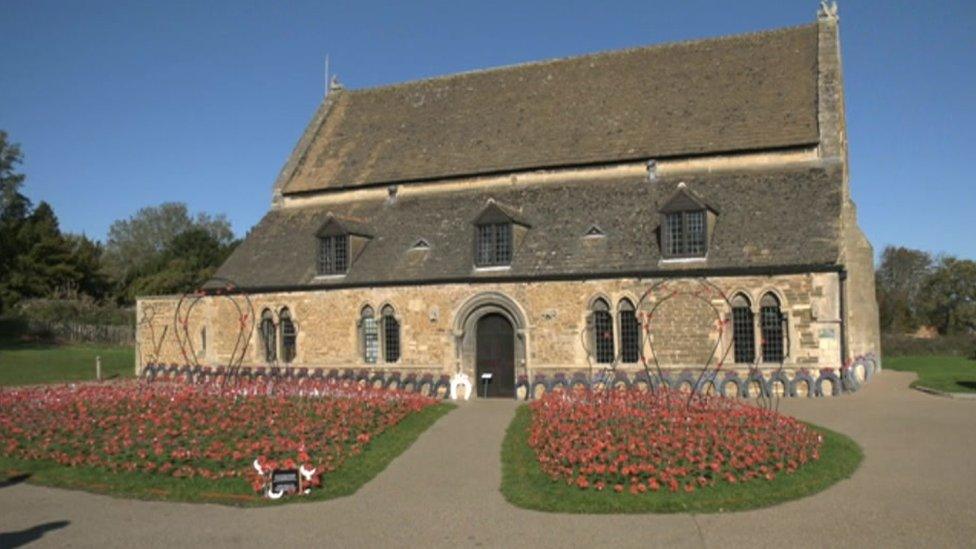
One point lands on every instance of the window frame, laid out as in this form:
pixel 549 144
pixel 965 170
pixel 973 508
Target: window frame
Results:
pixel 773 329
pixel 390 327
pixel 743 319
pixel 494 257
pixel 685 241
pixel 288 336
pixel 630 334
pixel 269 336
pixel 330 260
pixel 604 344
pixel 369 335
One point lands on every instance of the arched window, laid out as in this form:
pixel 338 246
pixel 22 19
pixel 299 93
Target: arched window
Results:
pixel 289 336
pixel 602 332
pixel 269 339
pixel 369 338
pixel 391 335
pixel 743 330
pixel 629 331
pixel 771 319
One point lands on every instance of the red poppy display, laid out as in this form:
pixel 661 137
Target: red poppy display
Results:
pixel 645 441
pixel 209 431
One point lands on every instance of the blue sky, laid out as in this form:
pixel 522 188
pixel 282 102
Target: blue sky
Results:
pixel 120 105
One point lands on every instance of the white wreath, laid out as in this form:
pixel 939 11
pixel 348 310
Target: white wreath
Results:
pixel 460 381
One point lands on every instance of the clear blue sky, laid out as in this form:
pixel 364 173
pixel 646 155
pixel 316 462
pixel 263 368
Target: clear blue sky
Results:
pixel 120 105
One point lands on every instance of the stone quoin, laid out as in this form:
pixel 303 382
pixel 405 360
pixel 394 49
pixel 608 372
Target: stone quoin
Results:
pixel 511 221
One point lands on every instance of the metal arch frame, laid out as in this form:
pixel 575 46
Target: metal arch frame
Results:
pixel 148 314
pixel 705 291
pixel 245 311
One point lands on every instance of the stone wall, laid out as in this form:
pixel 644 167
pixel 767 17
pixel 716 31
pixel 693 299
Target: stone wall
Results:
pixel 550 320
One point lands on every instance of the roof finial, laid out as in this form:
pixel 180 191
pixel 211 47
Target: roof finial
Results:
pixel 651 170
pixel 828 10
pixel 334 83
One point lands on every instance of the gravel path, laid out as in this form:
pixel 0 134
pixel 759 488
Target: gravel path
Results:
pixel 915 487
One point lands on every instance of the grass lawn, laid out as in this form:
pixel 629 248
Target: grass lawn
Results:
pixel 32 363
pixel 943 373
pixel 525 485
pixel 354 473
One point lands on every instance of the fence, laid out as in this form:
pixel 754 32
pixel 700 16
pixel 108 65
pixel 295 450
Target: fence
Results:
pixel 85 333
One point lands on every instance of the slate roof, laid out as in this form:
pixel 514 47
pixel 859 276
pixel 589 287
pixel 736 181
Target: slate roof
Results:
pixel 766 219
pixel 737 93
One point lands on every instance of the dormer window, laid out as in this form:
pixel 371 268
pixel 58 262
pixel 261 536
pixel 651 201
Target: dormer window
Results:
pixel 333 254
pixel 494 245
pixel 341 240
pixel 499 231
pixel 684 234
pixel 686 221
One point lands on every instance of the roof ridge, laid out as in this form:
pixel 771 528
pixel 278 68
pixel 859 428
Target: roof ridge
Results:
pixel 597 54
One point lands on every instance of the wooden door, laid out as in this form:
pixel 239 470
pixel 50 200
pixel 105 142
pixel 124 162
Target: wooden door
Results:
pixel 496 355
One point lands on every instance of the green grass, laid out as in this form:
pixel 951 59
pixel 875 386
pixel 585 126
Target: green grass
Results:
pixel 353 474
pixel 943 373
pixel 33 363
pixel 525 485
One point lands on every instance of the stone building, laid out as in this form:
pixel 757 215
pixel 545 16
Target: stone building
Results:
pixel 512 221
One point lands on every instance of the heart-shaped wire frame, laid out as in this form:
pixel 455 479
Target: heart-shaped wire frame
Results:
pixel 657 294
pixel 245 319
pixel 666 290
pixel 146 321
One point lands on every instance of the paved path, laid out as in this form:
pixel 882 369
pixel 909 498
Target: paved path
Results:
pixel 915 487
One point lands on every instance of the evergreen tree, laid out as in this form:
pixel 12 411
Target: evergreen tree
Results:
pixel 14 209
pixel 44 265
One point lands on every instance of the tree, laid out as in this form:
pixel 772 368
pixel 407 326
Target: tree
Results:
pixel 899 281
pixel 51 264
pixel 36 258
pixel 14 206
pixel 86 256
pixel 13 211
pixel 186 262
pixel 949 296
pixel 135 243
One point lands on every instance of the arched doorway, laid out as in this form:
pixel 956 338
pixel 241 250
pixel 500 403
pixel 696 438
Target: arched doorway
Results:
pixel 466 328
pixel 495 355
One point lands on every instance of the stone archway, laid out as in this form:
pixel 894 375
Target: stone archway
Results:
pixel 465 330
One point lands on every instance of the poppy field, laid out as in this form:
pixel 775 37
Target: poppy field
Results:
pixel 634 451
pixel 207 432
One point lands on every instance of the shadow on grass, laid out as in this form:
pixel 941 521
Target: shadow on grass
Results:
pixel 971 385
pixel 15 336
pixel 34 533
pixel 8 343
pixel 14 480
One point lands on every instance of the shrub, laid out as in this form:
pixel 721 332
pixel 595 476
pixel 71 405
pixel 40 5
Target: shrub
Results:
pixel 78 311
pixel 963 345
pixel 638 441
